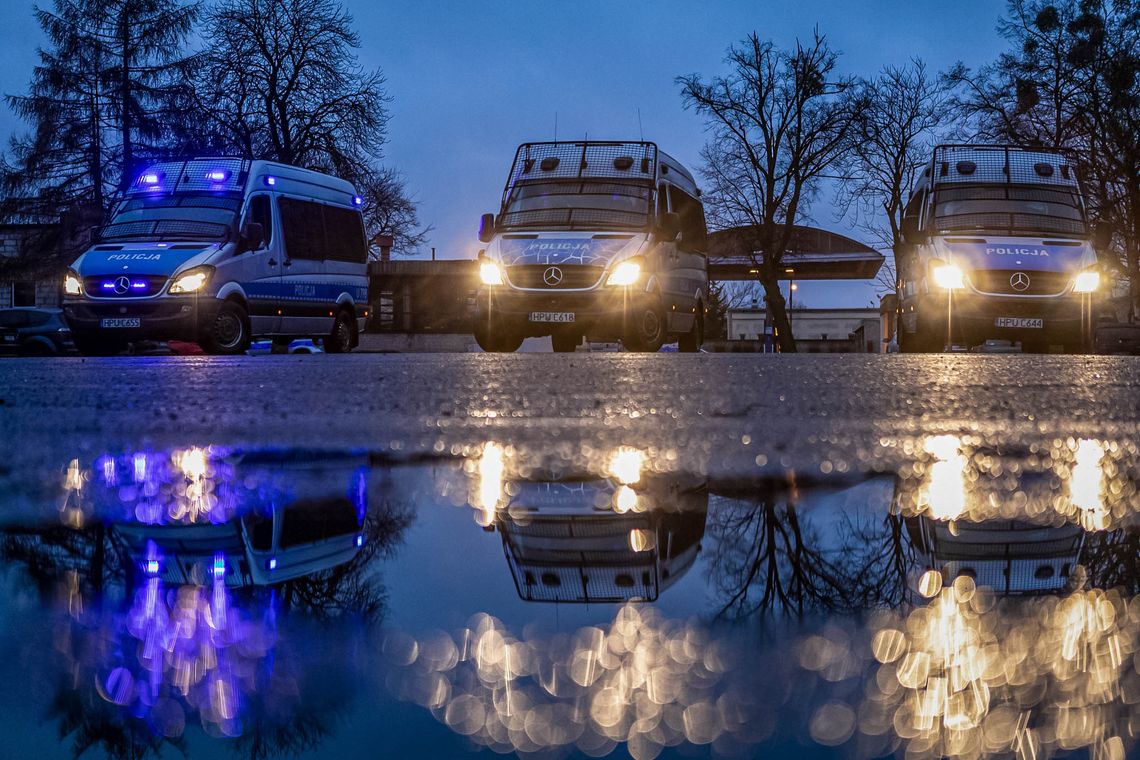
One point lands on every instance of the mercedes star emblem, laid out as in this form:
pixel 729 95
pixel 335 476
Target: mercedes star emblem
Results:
pixel 552 276
pixel 1019 282
pixel 122 285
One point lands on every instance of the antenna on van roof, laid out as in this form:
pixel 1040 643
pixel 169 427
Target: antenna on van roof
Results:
pixel 640 131
pixel 555 126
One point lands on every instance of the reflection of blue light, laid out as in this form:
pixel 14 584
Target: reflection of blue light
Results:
pixel 152 566
pixel 271 181
pixel 360 540
pixel 219 565
pixel 217 175
pixel 272 563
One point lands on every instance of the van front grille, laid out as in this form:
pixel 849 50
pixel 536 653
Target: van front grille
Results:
pixel 554 276
pixel 1028 283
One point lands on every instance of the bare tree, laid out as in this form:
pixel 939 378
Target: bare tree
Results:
pixel 390 210
pixel 777 122
pixel 906 112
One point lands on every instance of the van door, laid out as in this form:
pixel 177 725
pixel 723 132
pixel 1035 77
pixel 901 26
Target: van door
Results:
pixel 665 254
pixel 259 270
pixel 690 266
pixel 304 308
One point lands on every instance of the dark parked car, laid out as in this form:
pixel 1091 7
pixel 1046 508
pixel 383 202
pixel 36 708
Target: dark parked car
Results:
pixel 9 341
pixel 40 332
pixel 1115 338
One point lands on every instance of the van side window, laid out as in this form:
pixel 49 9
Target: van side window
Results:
pixel 303 226
pixel 261 213
pixel 662 200
pixel 692 216
pixel 345 235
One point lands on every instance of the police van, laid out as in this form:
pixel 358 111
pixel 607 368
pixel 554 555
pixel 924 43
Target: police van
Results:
pixel 218 250
pixel 996 246
pixel 604 240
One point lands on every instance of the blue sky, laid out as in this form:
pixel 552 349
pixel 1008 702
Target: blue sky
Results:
pixel 471 80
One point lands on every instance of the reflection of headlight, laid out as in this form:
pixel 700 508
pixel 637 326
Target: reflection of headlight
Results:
pixel 625 273
pixel 491 273
pixel 71 284
pixel 1086 282
pixel 948 276
pixel 191 281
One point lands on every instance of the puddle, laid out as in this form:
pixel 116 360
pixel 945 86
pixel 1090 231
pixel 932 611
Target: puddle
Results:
pixel 970 602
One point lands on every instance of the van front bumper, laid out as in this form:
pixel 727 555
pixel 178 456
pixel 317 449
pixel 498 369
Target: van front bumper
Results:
pixel 974 317
pixel 163 318
pixel 600 312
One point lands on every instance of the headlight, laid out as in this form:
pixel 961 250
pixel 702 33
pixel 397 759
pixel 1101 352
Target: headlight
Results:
pixel 491 273
pixel 71 284
pixel 948 276
pixel 1086 282
pixel 625 273
pixel 192 280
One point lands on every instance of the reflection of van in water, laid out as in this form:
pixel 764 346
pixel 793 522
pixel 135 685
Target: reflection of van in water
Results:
pixel 565 543
pixel 215 251
pixel 996 246
pixel 287 517
pixel 597 239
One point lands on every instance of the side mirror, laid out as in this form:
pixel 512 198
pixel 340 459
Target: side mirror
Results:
pixel 252 236
pixel 1101 237
pixel 668 226
pixel 910 232
pixel 486 228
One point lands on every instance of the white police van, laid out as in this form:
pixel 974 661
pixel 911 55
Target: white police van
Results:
pixel 598 239
pixel 217 250
pixel 997 246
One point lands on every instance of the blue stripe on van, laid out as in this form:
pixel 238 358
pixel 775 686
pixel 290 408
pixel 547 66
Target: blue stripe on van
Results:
pixel 304 291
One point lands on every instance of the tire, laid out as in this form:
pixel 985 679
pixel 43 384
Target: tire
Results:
pixel 691 342
pixel 228 333
pixel 343 335
pixel 494 337
pixel 565 342
pixel 98 345
pixel 644 328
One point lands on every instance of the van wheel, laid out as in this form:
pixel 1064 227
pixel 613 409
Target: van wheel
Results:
pixel 565 342
pixel 98 345
pixel 343 336
pixel 644 328
pixel 495 336
pixel 691 342
pixel 228 333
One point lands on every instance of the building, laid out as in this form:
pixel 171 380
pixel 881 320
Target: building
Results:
pixel 27 280
pixel 817 331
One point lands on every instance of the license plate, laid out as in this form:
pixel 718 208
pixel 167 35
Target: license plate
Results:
pixel 552 316
pixel 1019 322
pixel 120 323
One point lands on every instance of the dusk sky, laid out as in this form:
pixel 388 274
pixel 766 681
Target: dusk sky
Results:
pixel 469 81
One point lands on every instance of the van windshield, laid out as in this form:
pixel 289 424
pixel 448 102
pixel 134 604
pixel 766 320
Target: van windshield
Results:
pixel 1009 209
pixel 180 216
pixel 577 205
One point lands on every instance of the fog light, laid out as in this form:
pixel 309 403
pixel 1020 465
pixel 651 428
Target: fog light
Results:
pixel 491 273
pixel 948 276
pixel 1086 282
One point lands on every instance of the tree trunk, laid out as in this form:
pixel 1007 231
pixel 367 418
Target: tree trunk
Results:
pixel 778 309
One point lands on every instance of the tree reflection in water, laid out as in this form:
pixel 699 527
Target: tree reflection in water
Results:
pixel 141 652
